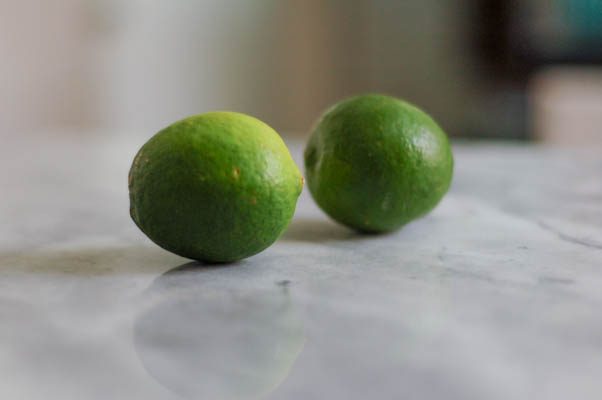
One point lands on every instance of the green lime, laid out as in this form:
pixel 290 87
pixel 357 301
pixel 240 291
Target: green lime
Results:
pixel 375 163
pixel 215 187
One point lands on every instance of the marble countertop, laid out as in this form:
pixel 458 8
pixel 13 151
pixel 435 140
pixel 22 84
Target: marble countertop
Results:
pixel 495 295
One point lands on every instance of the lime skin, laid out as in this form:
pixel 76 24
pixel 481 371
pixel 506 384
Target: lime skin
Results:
pixel 215 187
pixel 375 163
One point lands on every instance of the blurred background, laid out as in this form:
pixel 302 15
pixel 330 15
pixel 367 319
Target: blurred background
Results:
pixel 521 69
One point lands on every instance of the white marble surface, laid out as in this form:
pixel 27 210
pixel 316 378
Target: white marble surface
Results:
pixel 495 295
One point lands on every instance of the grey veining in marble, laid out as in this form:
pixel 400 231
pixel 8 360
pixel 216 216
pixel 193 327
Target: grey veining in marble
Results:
pixel 494 295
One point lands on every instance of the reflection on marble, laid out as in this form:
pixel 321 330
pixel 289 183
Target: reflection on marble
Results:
pixel 204 338
pixel 495 295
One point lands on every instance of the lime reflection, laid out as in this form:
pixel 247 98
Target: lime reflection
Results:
pixel 207 335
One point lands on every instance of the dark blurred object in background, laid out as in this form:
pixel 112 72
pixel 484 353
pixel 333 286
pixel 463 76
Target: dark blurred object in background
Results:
pixel 516 40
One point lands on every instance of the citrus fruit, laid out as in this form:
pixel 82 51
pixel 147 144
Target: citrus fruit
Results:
pixel 375 163
pixel 214 187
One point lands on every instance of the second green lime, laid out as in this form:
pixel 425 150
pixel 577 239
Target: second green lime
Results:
pixel 375 163
pixel 214 187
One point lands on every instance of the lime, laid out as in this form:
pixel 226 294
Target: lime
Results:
pixel 375 163
pixel 215 187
